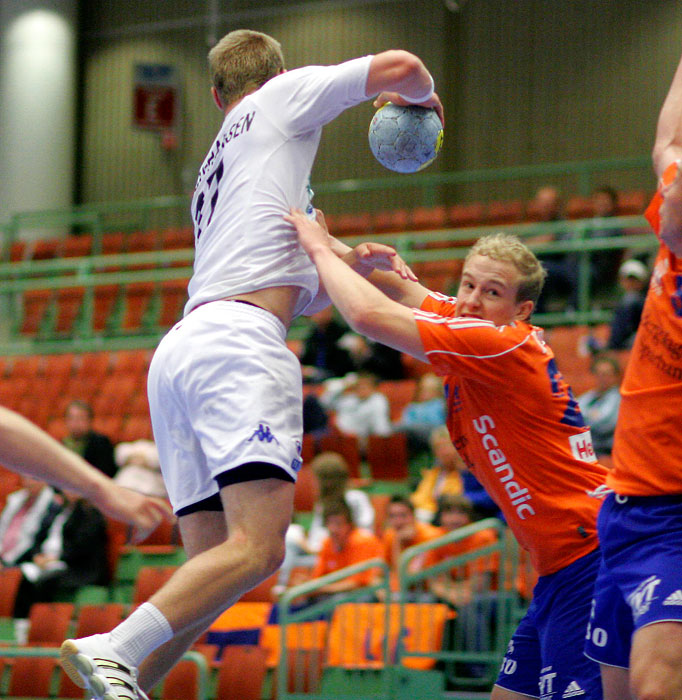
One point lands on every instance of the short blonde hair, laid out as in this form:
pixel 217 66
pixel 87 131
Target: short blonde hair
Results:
pixel 506 247
pixel 242 61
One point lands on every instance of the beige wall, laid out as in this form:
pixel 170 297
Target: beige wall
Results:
pixel 524 81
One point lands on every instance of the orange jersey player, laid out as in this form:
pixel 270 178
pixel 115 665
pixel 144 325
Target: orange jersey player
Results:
pixel 516 423
pixel 636 626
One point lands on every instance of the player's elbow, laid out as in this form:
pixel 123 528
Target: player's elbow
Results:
pixel 364 320
pixel 398 68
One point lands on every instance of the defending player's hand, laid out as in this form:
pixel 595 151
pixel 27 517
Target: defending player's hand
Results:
pixel 671 214
pixel 383 257
pixel 144 513
pixel 311 234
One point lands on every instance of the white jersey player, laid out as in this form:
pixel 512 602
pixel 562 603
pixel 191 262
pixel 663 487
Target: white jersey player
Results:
pixel 224 390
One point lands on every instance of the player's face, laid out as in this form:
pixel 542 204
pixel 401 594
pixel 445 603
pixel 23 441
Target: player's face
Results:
pixel 488 291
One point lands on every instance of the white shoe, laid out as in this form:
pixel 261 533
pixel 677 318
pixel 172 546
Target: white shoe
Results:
pixel 92 664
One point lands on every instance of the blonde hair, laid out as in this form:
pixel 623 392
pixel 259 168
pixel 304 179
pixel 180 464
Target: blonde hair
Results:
pixel 242 61
pixel 506 247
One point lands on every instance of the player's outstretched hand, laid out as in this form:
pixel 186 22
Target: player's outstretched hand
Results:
pixel 434 101
pixel 671 213
pixel 383 257
pixel 144 513
pixel 311 234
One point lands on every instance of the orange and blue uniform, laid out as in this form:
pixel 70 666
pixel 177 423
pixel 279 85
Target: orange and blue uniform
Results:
pixel 515 422
pixel 517 425
pixel 640 525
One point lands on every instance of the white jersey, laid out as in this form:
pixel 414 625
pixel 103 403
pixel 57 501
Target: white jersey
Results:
pixel 257 169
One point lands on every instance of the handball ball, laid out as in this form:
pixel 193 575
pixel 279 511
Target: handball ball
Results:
pixel 405 139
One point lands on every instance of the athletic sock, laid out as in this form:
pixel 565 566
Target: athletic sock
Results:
pixel 140 634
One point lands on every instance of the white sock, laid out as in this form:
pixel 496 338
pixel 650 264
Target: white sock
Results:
pixel 137 636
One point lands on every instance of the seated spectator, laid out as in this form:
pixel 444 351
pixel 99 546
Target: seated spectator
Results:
pixel 562 268
pixel 359 407
pixel 604 263
pixel 600 405
pixel 445 453
pixel 93 447
pixel 633 279
pixel 138 468
pixel 74 554
pixel 322 357
pixel 345 545
pixel 368 356
pixel 25 521
pixel 332 475
pixel 459 585
pixel 444 477
pixel 424 413
pixel 404 530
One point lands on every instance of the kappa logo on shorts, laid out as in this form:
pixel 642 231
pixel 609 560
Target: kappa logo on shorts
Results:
pixel 573 690
pixel 675 598
pixel 640 600
pixel 263 433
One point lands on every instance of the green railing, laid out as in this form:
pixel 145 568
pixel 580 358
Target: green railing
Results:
pixel 464 665
pixel 121 270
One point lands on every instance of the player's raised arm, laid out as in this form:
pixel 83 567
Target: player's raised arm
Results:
pixel 402 78
pixel 668 149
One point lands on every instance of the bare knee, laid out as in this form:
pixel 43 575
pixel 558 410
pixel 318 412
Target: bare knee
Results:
pixel 263 554
pixel 656 662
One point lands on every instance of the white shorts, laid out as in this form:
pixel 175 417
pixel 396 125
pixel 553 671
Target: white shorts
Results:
pixel 224 391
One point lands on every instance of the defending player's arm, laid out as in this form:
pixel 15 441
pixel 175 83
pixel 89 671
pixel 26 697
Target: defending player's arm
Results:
pixel 27 449
pixel 378 263
pixel 668 149
pixel 364 307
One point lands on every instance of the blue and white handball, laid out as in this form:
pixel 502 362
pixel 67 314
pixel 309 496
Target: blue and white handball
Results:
pixel 405 139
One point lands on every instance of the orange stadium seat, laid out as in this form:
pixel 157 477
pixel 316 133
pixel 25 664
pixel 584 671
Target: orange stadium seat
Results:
pixel 392 221
pixel 463 215
pixel 172 239
pixel 182 681
pixel 504 212
pixel 49 623
pixel 632 202
pixel 352 224
pixel 136 428
pixel 428 218
pixel 149 580
pixel 10 578
pixel 399 393
pixel 346 445
pixel 76 246
pixel 579 208
pixel 98 619
pixel 173 298
pixel 103 304
pixel 35 304
pixel 113 243
pixel 387 457
pixel 31 676
pixel 137 298
pixel 305 492
pixel 69 302
pixel 241 673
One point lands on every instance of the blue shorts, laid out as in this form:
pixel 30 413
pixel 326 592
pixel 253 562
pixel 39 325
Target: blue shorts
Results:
pixel 545 657
pixel 640 576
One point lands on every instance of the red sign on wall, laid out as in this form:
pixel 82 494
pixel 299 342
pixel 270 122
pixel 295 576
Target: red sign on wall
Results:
pixel 155 97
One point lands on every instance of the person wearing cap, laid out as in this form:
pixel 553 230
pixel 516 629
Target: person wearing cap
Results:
pixel 633 278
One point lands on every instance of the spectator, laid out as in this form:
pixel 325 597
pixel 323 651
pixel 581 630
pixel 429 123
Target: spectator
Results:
pixel 444 477
pixel 604 263
pixel 74 554
pixel 424 413
pixel 600 405
pixel 633 278
pixel 93 447
pixel 369 356
pixel 331 472
pixel 138 468
pixel 562 269
pixel 360 408
pixel 345 545
pixel 25 521
pixel 460 584
pixel 445 453
pixel 403 531
pixel 322 357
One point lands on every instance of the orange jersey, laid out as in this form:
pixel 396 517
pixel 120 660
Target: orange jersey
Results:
pixel 423 532
pixel 647 450
pixel 469 544
pixel 361 545
pixel 517 425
